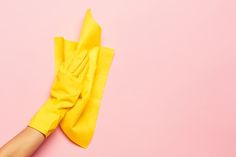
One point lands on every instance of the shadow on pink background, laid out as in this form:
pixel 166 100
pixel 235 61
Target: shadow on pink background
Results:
pixel 171 91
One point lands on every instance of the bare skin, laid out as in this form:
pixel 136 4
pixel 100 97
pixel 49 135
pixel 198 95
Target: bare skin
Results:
pixel 23 144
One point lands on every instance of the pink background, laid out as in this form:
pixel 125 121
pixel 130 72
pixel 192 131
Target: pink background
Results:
pixel 171 89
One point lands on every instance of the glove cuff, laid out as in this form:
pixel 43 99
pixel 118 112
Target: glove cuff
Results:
pixel 47 118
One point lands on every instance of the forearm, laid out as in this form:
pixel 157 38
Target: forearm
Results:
pixel 23 144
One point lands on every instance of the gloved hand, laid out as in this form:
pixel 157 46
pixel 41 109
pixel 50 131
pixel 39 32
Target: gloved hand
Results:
pixel 65 90
pixel 79 122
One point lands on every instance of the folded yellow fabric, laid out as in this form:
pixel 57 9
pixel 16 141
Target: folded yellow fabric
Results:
pixel 80 121
pixel 65 90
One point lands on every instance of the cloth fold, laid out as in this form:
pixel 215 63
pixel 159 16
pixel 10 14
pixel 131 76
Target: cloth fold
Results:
pixel 79 122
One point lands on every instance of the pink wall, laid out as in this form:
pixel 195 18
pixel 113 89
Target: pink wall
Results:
pixel 171 89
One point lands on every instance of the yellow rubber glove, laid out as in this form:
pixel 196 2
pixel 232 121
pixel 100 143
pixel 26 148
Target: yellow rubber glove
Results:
pixel 65 90
pixel 62 47
pixel 79 123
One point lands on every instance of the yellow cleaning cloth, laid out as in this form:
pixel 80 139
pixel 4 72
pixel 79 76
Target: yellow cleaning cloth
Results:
pixel 80 121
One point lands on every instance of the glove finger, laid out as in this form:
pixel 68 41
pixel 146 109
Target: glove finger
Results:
pixel 88 82
pixel 81 76
pixel 76 60
pixel 58 52
pixel 78 68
